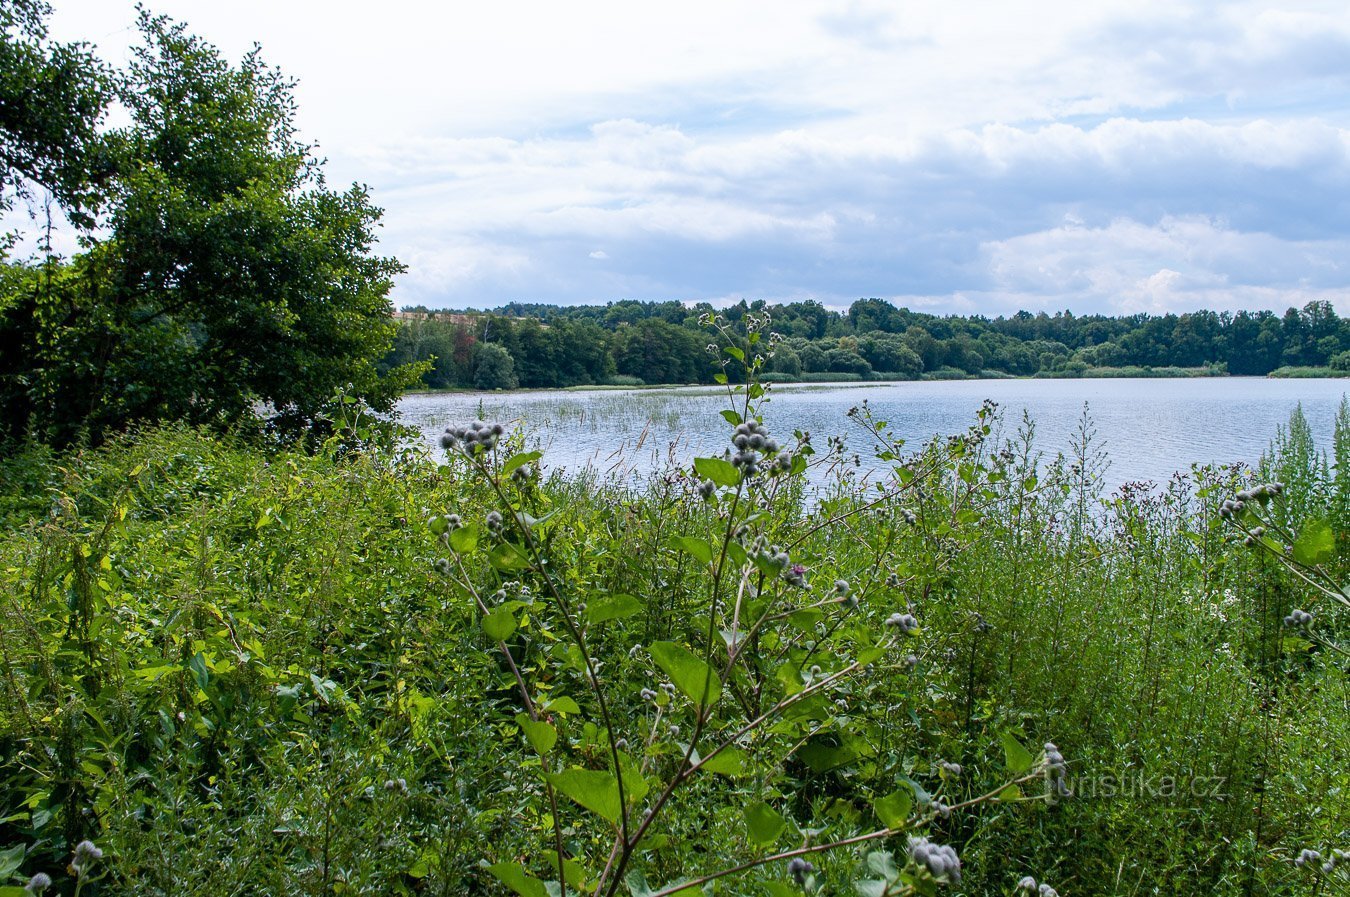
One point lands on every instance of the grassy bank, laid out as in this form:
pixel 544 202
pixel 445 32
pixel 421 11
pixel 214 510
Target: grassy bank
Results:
pixel 1304 373
pixel 829 377
pixel 248 672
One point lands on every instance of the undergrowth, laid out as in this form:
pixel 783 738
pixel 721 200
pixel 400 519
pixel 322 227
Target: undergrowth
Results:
pixel 367 671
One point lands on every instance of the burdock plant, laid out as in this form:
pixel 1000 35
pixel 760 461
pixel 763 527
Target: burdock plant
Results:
pixel 751 676
pixel 1304 553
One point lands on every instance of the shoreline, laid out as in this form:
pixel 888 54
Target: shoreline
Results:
pixel 1123 373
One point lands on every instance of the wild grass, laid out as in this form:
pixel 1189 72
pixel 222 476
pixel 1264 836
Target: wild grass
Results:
pixel 240 671
pixel 1303 373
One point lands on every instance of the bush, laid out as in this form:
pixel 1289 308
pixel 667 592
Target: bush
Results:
pixel 623 380
pixel 356 666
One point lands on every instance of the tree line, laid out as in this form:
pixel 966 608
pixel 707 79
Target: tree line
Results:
pixel 632 343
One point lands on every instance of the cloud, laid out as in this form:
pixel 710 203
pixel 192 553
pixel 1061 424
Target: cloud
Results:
pixel 1116 154
pixel 961 213
pixel 1129 266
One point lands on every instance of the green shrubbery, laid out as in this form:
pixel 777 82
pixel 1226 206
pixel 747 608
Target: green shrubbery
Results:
pixel 361 671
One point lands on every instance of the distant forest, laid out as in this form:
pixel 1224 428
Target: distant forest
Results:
pixel 635 343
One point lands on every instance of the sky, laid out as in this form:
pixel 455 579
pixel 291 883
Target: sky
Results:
pixel 1115 157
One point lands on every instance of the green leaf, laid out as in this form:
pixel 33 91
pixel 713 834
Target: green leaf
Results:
pixel 499 625
pixel 720 471
pixel 689 673
pixel 764 824
pixel 1315 543
pixel 1011 793
pixel 638 887
pixel 514 876
pixel 520 460
pixel 508 557
pixel 561 704
pixel 573 872
pixel 11 860
pixel 869 655
pixel 1019 759
pixel 737 553
pixel 612 607
pixel 698 548
pixel 199 671
pixel 541 736
pixel 637 883
pixel 735 352
pixel 822 756
pixel 464 539
pixel 635 786
pixel 893 809
pixel 595 790
pixel 729 762
pixel 732 417
pixel 882 862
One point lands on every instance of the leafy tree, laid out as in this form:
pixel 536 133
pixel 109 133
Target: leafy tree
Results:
pixel 659 352
pixel 52 98
pixel 813 357
pixel 892 355
pixel 786 361
pixel 924 346
pixel 432 340
pixel 846 361
pixel 233 277
pixel 581 350
pixel 493 368
pixel 532 349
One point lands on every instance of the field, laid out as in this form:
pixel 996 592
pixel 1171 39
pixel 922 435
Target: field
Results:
pixel 361 670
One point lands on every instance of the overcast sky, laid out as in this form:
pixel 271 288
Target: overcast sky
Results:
pixel 1108 156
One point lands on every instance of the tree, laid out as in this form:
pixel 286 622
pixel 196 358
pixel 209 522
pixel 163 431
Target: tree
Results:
pixel 52 98
pixel 493 368
pixel 658 352
pixel 890 354
pixel 232 277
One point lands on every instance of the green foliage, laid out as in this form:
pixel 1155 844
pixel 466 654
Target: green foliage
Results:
pixel 241 672
pixel 493 368
pixel 231 275
pixel 658 343
pixel 52 99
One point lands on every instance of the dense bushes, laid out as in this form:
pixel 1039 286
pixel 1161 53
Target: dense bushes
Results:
pixel 239 672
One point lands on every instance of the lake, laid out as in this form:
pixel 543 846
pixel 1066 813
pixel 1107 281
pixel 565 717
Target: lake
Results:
pixel 1150 428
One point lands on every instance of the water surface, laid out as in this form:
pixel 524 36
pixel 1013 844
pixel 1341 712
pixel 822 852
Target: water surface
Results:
pixel 1150 428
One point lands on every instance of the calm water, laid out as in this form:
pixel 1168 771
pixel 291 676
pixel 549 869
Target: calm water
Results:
pixel 1150 428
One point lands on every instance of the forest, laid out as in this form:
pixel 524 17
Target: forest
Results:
pixel 633 343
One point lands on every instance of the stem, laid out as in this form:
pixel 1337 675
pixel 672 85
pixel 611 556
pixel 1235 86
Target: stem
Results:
pixel 533 711
pixel 820 848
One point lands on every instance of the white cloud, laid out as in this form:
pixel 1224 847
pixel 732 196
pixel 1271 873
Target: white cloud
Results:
pixel 1175 264
pixel 1119 154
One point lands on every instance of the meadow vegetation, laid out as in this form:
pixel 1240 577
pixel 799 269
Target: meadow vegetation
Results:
pixel 363 670
pixel 255 642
